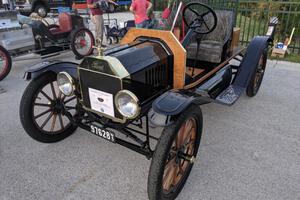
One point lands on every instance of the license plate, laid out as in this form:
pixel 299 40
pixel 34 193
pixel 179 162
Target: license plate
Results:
pixel 106 134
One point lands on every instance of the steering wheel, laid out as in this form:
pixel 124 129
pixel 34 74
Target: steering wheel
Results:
pixel 202 18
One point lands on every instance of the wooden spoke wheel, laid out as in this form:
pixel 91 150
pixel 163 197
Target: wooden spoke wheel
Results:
pixel 43 108
pixel 257 77
pixel 174 156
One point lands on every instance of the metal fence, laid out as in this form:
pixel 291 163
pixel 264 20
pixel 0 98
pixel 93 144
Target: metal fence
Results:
pixel 252 17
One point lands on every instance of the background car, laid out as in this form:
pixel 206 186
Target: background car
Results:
pixel 42 7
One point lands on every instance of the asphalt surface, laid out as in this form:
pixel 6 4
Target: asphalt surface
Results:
pixel 248 151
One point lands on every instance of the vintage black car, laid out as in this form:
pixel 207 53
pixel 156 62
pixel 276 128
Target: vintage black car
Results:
pixel 150 79
pixel 22 35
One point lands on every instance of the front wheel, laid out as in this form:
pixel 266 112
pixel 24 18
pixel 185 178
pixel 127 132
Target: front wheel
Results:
pixel 82 42
pixel 258 76
pixel 42 110
pixel 174 156
pixel 5 63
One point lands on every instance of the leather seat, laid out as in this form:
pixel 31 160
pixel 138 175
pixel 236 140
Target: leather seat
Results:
pixel 65 24
pixel 212 44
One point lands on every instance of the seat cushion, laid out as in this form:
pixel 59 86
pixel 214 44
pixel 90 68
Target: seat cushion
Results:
pixel 65 24
pixel 209 51
pixel 211 47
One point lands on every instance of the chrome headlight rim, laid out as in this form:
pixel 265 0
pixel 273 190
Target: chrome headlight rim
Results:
pixel 70 80
pixel 136 100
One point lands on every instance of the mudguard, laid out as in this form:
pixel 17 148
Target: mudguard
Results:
pixel 53 66
pixel 256 47
pixel 171 104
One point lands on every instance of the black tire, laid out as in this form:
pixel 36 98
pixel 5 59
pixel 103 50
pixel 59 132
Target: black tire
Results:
pixel 5 63
pixel 257 77
pixel 110 41
pixel 162 155
pixel 33 95
pixel 82 32
pixel 41 10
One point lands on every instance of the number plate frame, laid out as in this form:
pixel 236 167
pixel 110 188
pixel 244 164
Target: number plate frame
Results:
pixel 103 133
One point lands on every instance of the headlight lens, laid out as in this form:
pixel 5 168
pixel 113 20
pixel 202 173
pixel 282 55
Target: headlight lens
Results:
pixel 65 83
pixel 127 104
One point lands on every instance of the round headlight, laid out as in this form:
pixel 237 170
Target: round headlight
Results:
pixel 65 83
pixel 127 104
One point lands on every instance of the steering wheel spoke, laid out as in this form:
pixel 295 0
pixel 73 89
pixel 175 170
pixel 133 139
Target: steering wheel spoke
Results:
pixel 193 11
pixel 205 24
pixel 204 14
pixel 206 18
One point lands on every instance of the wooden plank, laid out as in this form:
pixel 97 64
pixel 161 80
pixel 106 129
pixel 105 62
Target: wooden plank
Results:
pixel 177 49
pixel 278 53
pixel 235 39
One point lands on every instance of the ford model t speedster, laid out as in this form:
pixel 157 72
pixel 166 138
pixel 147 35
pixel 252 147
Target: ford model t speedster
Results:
pixel 20 35
pixel 150 79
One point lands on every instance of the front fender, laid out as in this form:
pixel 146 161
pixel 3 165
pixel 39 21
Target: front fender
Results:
pixel 171 104
pixel 52 66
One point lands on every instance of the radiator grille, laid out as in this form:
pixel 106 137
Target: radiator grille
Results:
pixel 156 76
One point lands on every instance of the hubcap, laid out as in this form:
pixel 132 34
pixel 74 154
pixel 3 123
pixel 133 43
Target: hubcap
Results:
pixel 181 155
pixel 83 43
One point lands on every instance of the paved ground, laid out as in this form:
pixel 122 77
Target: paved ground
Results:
pixel 249 151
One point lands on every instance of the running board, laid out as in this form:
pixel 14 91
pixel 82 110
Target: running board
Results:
pixel 230 95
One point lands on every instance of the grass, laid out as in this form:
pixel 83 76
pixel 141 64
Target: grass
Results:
pixel 290 58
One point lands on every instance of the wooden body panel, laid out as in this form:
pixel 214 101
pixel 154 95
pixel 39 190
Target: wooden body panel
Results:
pixel 177 49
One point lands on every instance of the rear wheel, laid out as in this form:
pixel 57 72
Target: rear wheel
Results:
pixel 42 110
pixel 82 42
pixel 41 10
pixel 258 76
pixel 174 155
pixel 5 63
